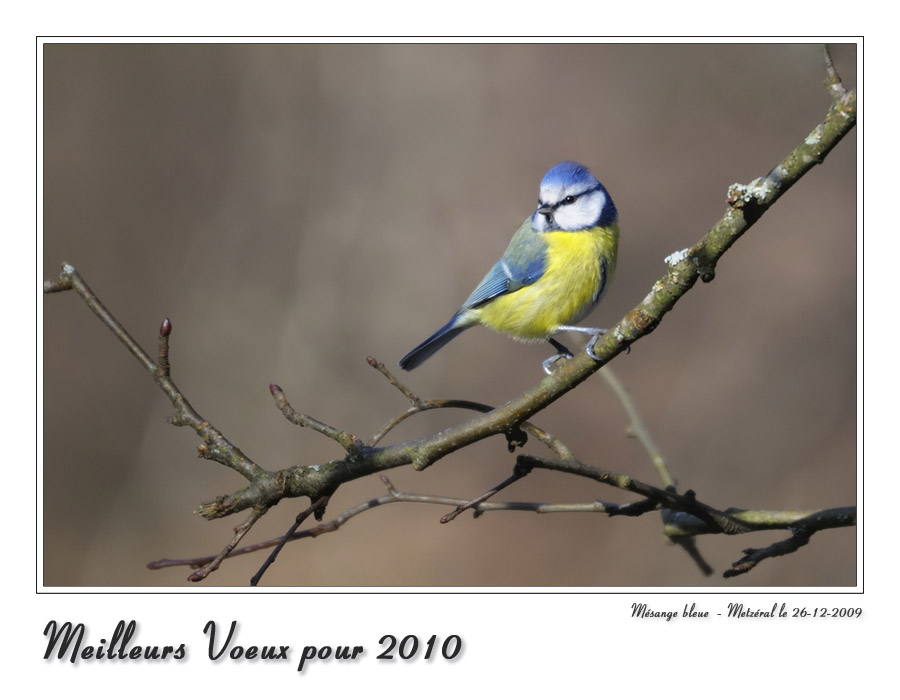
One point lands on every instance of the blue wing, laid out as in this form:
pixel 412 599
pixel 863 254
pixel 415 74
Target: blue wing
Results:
pixel 522 264
pixel 504 278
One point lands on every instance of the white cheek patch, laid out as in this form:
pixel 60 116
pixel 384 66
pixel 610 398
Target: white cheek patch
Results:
pixel 583 213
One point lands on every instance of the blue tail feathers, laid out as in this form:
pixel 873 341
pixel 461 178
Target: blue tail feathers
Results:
pixel 431 345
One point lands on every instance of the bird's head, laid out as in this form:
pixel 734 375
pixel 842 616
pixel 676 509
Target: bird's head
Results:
pixel 572 199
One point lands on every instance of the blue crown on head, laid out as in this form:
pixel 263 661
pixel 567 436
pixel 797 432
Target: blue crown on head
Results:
pixel 568 173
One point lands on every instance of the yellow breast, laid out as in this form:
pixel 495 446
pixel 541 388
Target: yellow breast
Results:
pixel 579 269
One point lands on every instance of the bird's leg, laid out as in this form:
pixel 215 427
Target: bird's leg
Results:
pixel 595 334
pixel 561 352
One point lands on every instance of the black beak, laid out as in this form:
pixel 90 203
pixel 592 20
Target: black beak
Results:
pixel 546 210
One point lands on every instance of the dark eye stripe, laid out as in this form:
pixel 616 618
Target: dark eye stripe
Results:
pixel 570 199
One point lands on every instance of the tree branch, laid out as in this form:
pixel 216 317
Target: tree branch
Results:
pixel 802 523
pixel 215 446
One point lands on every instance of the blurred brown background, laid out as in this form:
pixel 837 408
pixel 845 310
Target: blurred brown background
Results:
pixel 294 208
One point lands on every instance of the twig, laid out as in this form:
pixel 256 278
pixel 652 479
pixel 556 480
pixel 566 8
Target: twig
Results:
pixel 349 442
pixel 716 519
pixel 683 524
pixel 317 507
pixel 216 446
pixel 832 79
pixel 637 427
pixel 239 533
pixel 540 434
pixel 753 557
pixel 689 545
pixel 420 406
pixel 396 383
pixel 517 474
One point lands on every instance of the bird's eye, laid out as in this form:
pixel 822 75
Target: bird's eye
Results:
pixel 569 200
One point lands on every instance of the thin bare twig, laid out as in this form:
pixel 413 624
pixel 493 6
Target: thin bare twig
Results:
pixel 689 545
pixel 216 446
pixel 832 79
pixel 718 520
pixel 682 524
pixel 396 383
pixel 349 442
pixel 637 427
pixel 239 533
pixel 317 507
pixel 420 405
pixel 752 556
pixel 516 475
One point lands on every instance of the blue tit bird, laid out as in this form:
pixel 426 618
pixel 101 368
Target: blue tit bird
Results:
pixel 555 270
